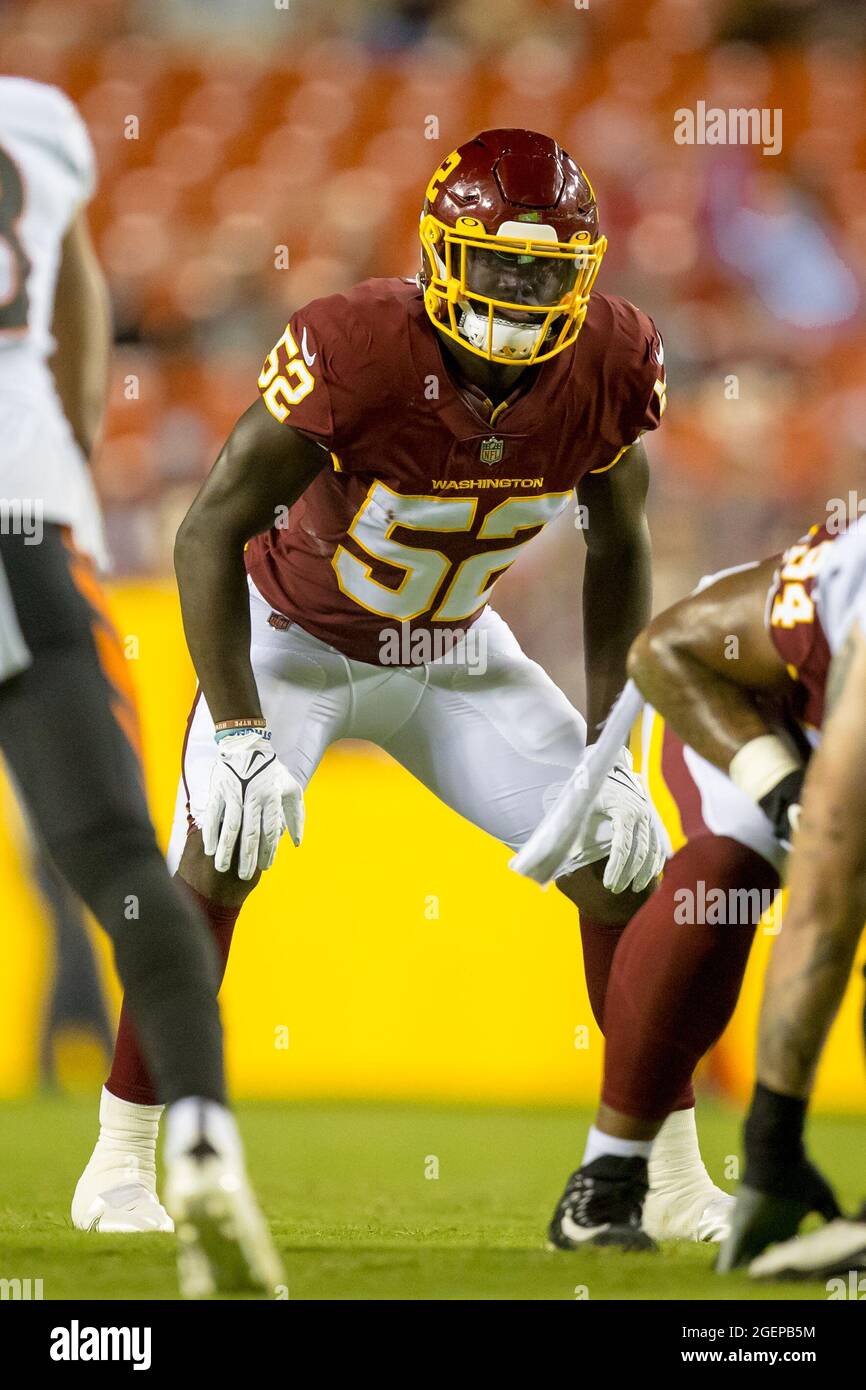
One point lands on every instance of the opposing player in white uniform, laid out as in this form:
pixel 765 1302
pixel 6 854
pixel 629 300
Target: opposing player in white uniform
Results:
pixel 67 718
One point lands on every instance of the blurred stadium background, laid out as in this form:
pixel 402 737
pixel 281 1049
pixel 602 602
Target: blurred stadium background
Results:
pixel 254 155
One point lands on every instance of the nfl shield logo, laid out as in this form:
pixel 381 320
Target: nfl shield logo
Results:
pixel 491 450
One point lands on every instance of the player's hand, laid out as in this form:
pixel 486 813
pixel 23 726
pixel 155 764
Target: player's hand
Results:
pixel 251 796
pixel 781 805
pixel 576 826
pixel 578 822
pixel 637 854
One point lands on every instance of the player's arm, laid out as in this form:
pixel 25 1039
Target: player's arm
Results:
pixel 704 664
pixel 82 331
pixel 617 597
pixel 812 958
pixel 263 466
pixel 617 586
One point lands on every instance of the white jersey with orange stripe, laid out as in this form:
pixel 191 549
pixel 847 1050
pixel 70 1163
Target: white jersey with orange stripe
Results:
pixel 47 173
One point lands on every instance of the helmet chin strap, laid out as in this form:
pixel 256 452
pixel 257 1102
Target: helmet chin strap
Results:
pixel 515 340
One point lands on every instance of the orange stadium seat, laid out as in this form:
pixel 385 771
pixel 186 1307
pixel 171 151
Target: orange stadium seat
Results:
pixel 188 153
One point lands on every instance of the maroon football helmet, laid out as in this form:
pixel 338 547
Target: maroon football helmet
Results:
pixel 511 246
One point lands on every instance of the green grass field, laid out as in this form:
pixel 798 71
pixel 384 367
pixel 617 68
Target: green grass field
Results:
pixel 355 1216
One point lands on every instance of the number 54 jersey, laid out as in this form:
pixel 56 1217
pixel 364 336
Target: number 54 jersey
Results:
pixel 430 492
pixel 817 596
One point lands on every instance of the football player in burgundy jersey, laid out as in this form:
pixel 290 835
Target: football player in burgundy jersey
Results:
pixel 335 569
pixel 751 710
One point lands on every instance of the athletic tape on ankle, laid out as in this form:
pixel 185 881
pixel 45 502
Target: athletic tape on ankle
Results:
pixel 761 764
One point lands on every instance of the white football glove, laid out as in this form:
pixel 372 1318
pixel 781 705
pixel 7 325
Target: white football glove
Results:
pixel 253 795
pixel 637 854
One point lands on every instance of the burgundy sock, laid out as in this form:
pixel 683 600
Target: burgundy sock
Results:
pixel 129 1078
pixel 599 940
pixel 674 984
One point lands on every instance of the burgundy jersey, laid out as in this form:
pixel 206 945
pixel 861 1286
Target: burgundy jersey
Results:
pixel 430 493
pixel 795 624
pixel 818 591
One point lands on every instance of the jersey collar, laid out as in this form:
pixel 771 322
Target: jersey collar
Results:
pixel 520 414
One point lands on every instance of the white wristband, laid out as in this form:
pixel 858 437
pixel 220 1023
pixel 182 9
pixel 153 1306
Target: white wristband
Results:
pixel 761 764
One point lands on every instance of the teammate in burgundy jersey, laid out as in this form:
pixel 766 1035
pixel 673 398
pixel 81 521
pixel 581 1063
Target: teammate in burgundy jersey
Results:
pixel 812 961
pixel 410 438
pixel 751 712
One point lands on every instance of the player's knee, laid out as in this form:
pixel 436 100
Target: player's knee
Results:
pixel 584 887
pixel 197 869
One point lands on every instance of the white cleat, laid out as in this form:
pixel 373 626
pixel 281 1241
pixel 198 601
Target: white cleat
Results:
pixel 683 1202
pixel 839 1248
pixel 224 1245
pixel 715 1221
pixel 116 1193
pixel 118 1207
pixel 701 1213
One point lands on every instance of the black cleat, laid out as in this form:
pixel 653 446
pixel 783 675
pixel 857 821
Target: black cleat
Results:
pixel 759 1219
pixel 767 1214
pixel 836 1250
pixel 602 1205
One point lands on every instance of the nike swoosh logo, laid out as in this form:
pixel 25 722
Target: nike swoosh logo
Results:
pixel 580 1234
pixel 309 357
pixel 659 353
pixel 616 774
pixel 248 776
